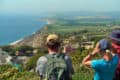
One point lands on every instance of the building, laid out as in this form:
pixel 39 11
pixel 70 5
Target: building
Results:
pixel 87 45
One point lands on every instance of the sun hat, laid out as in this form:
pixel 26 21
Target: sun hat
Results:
pixel 53 37
pixel 104 45
pixel 115 35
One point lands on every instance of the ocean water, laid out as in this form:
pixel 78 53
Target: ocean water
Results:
pixel 13 28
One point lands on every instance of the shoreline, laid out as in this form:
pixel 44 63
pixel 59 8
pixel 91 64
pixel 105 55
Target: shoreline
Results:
pixel 48 22
pixel 19 40
pixel 15 42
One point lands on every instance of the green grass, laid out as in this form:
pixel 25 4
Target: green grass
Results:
pixel 68 26
pixel 83 73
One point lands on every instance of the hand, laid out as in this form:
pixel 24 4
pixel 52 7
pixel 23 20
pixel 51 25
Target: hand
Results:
pixel 96 49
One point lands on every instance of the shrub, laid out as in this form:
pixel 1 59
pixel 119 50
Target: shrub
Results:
pixel 31 64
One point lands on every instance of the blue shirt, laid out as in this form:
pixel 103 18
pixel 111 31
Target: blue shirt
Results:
pixel 104 70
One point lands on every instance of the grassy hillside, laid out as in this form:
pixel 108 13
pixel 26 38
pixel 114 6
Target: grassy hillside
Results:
pixel 92 28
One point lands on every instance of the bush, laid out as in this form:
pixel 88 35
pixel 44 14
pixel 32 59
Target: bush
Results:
pixel 4 68
pixel 26 75
pixel 23 48
pixel 7 48
pixel 31 64
pixel 7 71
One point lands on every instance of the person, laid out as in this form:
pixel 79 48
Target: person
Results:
pixel 104 67
pixel 115 40
pixel 68 49
pixel 16 62
pixel 55 65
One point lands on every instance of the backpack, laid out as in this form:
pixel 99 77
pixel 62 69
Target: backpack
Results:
pixel 56 67
pixel 117 72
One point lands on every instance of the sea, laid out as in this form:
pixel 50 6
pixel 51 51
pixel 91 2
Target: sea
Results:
pixel 16 27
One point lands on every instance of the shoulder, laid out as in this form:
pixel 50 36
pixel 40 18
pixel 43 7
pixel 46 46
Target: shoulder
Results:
pixel 116 57
pixel 42 59
pixel 96 63
pixel 67 57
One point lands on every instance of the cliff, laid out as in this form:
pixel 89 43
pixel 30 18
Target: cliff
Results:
pixel 35 40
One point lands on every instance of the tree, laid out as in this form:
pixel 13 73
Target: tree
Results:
pixel 7 48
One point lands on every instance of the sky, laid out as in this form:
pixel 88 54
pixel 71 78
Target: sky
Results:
pixel 40 6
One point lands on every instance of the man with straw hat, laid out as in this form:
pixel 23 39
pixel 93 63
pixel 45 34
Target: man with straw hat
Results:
pixel 55 65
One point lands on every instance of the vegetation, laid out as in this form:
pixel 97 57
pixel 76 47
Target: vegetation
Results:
pixel 82 28
pixel 31 64
pixel 11 73
pixel 8 72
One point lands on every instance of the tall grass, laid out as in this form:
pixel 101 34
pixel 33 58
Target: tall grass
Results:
pixel 83 73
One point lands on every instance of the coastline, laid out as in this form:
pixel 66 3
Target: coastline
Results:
pixel 48 22
pixel 19 40
pixel 15 42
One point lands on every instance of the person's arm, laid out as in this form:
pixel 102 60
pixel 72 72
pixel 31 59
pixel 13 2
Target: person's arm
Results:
pixel 40 68
pixel 87 60
pixel 70 68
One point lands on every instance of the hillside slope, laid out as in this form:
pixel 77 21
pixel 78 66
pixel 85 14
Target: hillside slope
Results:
pixel 80 26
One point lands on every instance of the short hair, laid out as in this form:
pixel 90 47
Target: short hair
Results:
pixel 53 44
pixel 53 41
